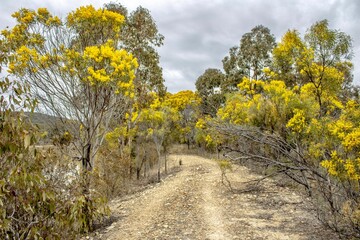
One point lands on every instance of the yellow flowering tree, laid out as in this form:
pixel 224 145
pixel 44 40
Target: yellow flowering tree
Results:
pixel 139 36
pixel 320 62
pixel 75 68
pixel 344 160
pixel 186 103
pixel 300 120
pixel 267 105
pixel 77 72
pixel 157 123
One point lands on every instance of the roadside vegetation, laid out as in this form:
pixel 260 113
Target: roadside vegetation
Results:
pixel 287 109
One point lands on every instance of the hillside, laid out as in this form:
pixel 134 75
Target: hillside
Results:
pixel 43 121
pixel 46 123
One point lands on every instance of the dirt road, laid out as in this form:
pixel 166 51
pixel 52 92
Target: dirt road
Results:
pixel 193 204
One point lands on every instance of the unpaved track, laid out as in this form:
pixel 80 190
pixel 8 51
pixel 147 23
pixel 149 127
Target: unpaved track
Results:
pixel 193 204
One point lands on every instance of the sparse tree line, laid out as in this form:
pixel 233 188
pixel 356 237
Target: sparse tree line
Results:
pixel 288 107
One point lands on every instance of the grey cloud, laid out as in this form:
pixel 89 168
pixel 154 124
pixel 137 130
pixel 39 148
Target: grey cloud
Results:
pixel 198 34
pixel 202 33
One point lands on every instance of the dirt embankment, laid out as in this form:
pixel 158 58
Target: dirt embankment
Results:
pixel 193 204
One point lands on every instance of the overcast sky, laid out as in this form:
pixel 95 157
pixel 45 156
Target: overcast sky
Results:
pixel 199 33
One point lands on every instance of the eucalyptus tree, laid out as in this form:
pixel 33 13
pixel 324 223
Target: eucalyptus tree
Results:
pixel 249 58
pixel 208 88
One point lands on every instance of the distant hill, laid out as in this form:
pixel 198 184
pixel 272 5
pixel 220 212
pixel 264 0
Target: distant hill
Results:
pixel 42 120
pixel 46 123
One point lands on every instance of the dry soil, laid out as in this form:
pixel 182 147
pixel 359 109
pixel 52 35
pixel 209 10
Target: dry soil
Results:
pixel 194 204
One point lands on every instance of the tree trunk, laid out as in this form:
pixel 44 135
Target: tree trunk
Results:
pixel 158 173
pixel 138 170
pixel 166 167
pixel 159 166
pixel 86 160
pixel 86 168
pixel 145 169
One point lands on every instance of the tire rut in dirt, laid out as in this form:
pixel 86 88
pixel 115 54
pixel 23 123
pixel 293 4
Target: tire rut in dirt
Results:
pixel 181 217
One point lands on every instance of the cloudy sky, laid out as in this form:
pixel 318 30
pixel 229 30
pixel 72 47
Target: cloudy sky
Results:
pixel 199 33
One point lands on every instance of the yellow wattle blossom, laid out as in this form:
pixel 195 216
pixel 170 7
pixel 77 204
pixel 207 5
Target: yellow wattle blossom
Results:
pixel 150 131
pixel 28 18
pixel 112 66
pixel 316 151
pixel 352 169
pixel 156 103
pixel 330 167
pixel 334 164
pixel 88 15
pixel 92 52
pixel 200 124
pixel 134 116
pixel 182 99
pixel 340 128
pixel 297 122
pixel 352 140
pixel 21 60
pixel 43 12
pixel 209 139
pixel 250 86
pixel 98 75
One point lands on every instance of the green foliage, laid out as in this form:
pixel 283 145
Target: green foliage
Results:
pixel 140 36
pixel 37 200
pixel 249 58
pixel 208 88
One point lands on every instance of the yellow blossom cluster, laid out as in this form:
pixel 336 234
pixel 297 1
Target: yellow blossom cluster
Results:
pixel 236 109
pixel 156 103
pixel 26 17
pixel 109 65
pixel 352 140
pixel 23 57
pixel 91 17
pixel 22 34
pixel 297 122
pixel 133 116
pixel 333 165
pixel 250 86
pixel 340 128
pixel 345 162
pixel 260 102
pixel 345 169
pixel 182 99
pixel 35 51
pixel 200 124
